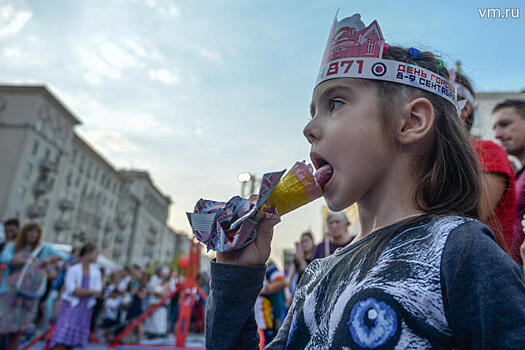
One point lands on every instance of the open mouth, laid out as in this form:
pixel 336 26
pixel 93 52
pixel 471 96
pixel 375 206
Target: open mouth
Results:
pixel 324 172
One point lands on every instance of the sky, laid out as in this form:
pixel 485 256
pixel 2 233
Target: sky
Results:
pixel 196 92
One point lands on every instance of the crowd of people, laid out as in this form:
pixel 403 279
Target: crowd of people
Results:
pixel 41 286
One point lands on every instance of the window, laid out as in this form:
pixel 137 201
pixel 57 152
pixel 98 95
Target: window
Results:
pixel 28 171
pixel 38 124
pixel 22 193
pixel 370 48
pixel 34 151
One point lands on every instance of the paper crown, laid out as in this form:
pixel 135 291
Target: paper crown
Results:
pixel 354 50
pixel 462 90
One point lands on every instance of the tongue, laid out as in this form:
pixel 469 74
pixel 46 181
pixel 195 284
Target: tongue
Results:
pixel 323 175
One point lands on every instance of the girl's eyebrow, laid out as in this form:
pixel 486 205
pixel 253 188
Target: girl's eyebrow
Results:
pixel 338 90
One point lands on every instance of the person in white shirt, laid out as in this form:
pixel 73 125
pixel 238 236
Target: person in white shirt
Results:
pixel 83 283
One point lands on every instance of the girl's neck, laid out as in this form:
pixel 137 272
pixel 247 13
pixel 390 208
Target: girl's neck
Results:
pixel 85 265
pixel 389 201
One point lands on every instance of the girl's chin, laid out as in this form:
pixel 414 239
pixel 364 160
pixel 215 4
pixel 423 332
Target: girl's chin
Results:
pixel 334 204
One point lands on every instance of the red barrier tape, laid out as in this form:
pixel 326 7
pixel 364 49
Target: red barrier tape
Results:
pixel 142 317
pixel 40 337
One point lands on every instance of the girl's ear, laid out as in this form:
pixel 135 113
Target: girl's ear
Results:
pixel 416 122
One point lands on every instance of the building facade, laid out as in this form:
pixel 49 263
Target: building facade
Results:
pixel 52 176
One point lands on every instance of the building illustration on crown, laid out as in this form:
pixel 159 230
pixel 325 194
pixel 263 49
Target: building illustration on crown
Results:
pixel 350 38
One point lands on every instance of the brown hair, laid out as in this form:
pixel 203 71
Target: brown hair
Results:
pixel 86 249
pixel 308 234
pixel 449 174
pixel 518 105
pixel 20 241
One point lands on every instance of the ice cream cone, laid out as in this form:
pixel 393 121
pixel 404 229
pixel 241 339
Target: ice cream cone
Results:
pixel 295 189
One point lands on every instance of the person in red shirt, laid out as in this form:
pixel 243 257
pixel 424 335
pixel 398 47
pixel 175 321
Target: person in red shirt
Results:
pixel 509 128
pixel 498 202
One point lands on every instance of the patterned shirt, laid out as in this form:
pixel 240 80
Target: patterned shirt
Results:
pixel 439 282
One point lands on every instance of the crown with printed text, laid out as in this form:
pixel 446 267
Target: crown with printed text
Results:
pixel 354 50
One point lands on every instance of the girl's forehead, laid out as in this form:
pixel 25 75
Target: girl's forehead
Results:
pixel 348 84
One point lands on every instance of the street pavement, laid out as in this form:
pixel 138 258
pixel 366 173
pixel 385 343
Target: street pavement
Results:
pixel 193 341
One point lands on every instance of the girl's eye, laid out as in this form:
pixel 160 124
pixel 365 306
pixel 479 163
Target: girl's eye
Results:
pixel 334 104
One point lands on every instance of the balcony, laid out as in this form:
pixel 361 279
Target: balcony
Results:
pixel 48 165
pixel 106 241
pixel 35 211
pixel 42 186
pixel 62 225
pixel 66 204
pixel 119 238
pixel 122 221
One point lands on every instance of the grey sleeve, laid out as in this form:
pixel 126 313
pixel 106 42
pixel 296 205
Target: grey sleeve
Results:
pixel 230 318
pixel 483 295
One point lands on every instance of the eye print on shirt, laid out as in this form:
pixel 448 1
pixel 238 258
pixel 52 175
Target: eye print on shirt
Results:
pixel 372 320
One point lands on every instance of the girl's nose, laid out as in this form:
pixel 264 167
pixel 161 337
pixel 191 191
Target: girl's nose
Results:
pixel 312 131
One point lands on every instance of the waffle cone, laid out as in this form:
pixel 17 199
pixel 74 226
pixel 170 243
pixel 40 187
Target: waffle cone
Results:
pixel 295 189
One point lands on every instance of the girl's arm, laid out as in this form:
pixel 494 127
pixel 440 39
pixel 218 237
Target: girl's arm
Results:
pixel 236 280
pixel 483 293
pixel 230 317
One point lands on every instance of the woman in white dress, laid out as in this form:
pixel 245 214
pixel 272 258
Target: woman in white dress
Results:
pixel 156 325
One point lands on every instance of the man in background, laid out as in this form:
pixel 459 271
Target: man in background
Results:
pixel 509 129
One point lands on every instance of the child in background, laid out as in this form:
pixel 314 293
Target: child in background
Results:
pixel 110 315
pixel 423 273
pixel 304 251
pixel 270 302
pixel 83 283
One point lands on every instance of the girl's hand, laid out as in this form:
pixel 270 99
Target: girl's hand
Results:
pixel 257 252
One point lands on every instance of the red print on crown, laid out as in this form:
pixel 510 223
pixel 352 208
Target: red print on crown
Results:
pixel 346 42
